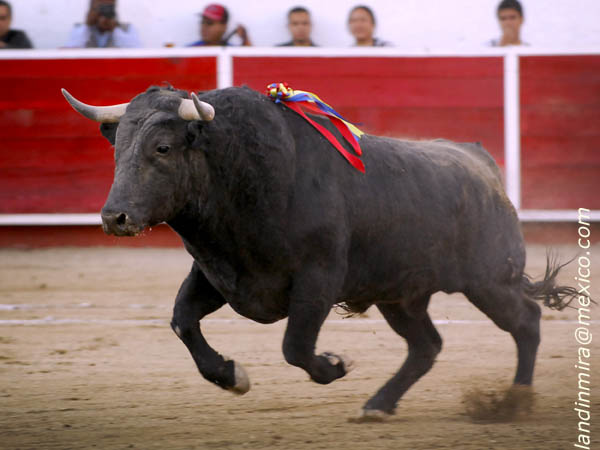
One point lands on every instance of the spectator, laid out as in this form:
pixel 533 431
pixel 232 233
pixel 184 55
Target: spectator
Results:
pixel 102 29
pixel 300 26
pixel 362 26
pixel 510 16
pixel 213 26
pixel 11 38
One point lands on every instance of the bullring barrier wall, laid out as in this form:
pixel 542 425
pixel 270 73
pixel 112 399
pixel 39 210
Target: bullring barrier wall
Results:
pixel 538 113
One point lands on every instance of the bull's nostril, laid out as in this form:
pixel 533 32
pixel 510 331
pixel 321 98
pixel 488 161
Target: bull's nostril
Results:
pixel 121 219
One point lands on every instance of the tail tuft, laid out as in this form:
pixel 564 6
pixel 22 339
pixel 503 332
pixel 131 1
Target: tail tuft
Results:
pixel 546 290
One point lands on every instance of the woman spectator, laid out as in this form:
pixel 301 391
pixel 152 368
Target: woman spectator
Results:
pixel 361 23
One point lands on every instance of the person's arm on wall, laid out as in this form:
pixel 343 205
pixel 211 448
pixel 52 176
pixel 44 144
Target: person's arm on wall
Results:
pixel 243 34
pixel 126 36
pixel 80 34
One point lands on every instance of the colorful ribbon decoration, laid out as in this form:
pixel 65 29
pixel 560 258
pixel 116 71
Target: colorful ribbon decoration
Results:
pixel 296 100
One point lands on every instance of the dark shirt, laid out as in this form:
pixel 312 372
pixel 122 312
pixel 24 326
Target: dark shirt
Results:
pixel 291 44
pixel 16 39
pixel 379 43
pixel 202 43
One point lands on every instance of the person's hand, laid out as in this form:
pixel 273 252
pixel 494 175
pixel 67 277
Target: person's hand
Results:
pixel 243 34
pixel 2 44
pixel 92 15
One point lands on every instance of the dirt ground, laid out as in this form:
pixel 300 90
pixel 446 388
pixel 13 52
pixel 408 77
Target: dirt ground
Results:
pixel 88 360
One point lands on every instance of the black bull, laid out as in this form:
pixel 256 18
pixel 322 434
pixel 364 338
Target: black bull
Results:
pixel 279 225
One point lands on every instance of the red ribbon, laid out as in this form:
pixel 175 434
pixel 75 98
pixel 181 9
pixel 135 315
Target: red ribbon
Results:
pixel 342 128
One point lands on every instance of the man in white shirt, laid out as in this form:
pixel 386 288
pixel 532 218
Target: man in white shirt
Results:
pixel 102 29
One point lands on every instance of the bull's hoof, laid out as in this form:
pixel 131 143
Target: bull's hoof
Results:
pixel 242 382
pixel 372 415
pixel 339 360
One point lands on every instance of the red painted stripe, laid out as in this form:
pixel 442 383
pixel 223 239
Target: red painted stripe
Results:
pixel 83 236
pixel 163 236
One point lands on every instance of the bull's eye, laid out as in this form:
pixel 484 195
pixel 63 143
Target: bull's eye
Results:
pixel 163 149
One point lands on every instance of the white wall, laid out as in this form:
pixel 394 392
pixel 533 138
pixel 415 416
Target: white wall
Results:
pixel 409 24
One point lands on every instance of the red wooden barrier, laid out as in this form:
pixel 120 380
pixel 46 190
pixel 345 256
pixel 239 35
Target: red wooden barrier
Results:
pixel 560 132
pixel 451 97
pixel 54 160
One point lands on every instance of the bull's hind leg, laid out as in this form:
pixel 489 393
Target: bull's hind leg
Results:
pixel 196 299
pixel 512 312
pixel 424 343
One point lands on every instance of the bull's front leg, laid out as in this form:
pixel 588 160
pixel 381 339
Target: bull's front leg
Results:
pixel 308 310
pixel 197 298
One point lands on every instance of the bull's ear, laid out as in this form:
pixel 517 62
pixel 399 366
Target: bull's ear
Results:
pixel 195 135
pixel 109 131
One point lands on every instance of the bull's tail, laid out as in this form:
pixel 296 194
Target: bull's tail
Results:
pixel 546 290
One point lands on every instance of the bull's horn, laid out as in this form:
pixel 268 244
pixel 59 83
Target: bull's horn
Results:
pixel 105 114
pixel 196 109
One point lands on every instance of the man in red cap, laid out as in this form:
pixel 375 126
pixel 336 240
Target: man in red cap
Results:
pixel 214 25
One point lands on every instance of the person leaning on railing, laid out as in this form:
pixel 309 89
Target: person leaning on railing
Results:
pixel 213 25
pixel 11 38
pixel 102 29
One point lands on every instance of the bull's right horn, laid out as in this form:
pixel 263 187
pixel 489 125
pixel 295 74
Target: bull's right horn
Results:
pixel 196 109
pixel 206 110
pixel 105 114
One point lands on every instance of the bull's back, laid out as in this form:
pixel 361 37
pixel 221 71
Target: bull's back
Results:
pixel 427 212
pixel 429 179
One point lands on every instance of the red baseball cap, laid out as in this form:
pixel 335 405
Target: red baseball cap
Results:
pixel 215 12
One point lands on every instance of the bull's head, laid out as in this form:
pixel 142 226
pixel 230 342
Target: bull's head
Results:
pixel 152 136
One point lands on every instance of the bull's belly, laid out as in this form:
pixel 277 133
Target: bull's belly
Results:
pixel 258 310
pixel 260 298
pixel 394 283
pixel 256 296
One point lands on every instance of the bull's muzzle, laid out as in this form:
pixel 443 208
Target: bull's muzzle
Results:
pixel 120 224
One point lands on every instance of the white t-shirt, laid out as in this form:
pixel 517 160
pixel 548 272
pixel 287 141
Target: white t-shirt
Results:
pixel 123 36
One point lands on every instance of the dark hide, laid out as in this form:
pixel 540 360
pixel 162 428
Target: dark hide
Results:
pixel 280 225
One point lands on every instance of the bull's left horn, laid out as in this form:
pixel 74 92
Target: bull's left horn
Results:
pixel 196 109
pixel 105 114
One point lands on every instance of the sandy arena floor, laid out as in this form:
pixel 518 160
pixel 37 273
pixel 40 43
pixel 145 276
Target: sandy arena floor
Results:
pixel 88 360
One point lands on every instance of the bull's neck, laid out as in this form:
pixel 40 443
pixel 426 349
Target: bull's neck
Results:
pixel 208 227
